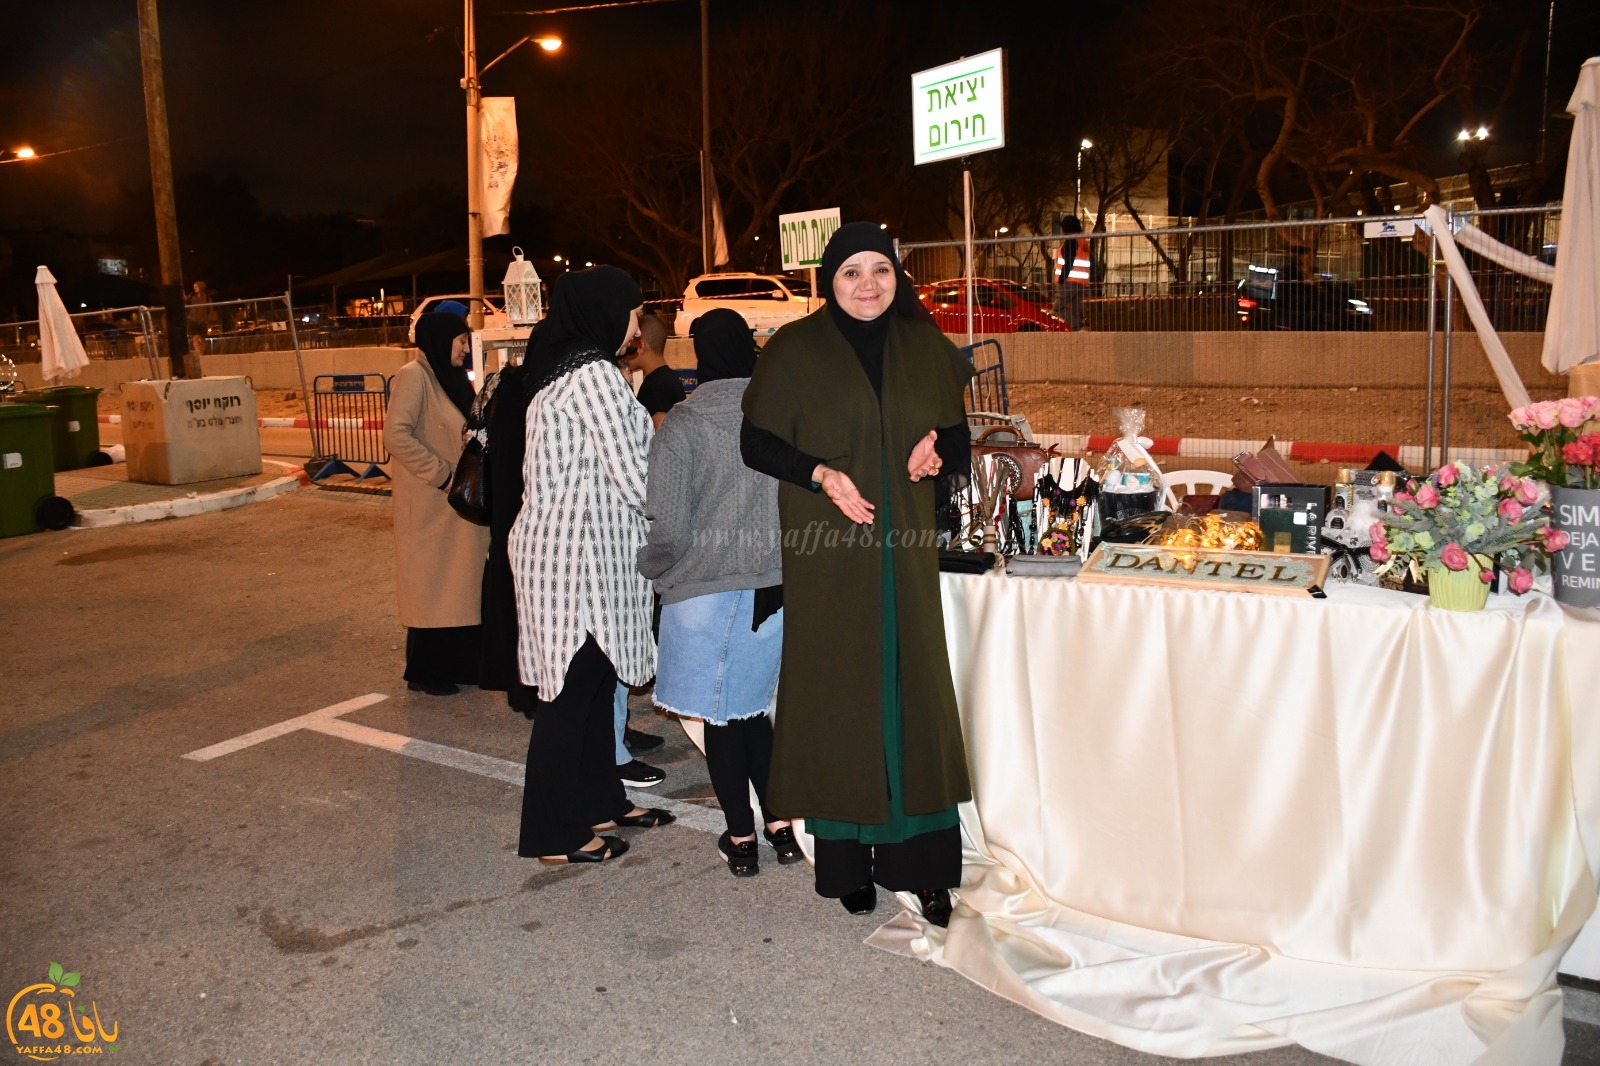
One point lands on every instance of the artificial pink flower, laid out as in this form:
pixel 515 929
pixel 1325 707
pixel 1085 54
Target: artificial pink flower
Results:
pixel 1592 404
pixel 1404 497
pixel 1572 411
pixel 1521 580
pixel 1447 475
pixel 1486 576
pixel 1527 491
pixel 1520 418
pixel 1453 556
pixel 1580 452
pixel 1511 510
pixel 1554 539
pixel 1379 552
pixel 1428 497
pixel 1508 484
pixel 1546 414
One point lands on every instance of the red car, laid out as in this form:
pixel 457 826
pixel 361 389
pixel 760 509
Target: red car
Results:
pixel 998 306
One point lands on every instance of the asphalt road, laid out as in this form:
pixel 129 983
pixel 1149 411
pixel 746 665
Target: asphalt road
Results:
pixel 315 899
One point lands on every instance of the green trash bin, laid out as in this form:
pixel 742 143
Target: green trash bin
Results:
pixel 77 422
pixel 28 500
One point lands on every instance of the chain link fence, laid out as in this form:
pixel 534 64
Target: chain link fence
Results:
pixel 1316 331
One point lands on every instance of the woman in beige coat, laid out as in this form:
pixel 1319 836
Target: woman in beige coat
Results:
pixel 438 554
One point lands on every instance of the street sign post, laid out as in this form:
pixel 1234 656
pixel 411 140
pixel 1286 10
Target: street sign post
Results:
pixel 803 235
pixel 957 110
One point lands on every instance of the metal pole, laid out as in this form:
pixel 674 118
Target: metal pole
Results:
pixel 149 325
pixel 1544 99
pixel 1444 389
pixel 966 196
pixel 1433 299
pixel 469 82
pixel 166 208
pixel 294 337
pixel 706 235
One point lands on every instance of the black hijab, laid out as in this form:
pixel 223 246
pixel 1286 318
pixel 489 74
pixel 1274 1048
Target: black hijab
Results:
pixel 723 346
pixel 436 332
pixel 588 314
pixel 867 338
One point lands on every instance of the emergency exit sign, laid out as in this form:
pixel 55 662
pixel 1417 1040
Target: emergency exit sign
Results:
pixel 959 109
pixel 803 235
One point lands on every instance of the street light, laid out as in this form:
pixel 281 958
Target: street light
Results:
pixel 469 82
pixel 24 153
pixel 1077 195
pixel 1467 135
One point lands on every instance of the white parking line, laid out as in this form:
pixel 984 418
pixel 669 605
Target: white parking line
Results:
pixel 327 721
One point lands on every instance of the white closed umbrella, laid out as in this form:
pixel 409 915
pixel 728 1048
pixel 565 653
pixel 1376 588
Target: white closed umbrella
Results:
pixel 1572 331
pixel 61 353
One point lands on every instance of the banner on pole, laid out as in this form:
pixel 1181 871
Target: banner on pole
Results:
pixel 959 108
pixel 497 161
pixel 803 235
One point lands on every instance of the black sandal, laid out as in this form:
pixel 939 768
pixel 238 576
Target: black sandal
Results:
pixel 610 848
pixel 784 843
pixel 652 818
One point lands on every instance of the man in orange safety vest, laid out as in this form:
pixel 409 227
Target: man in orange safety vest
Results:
pixel 1072 273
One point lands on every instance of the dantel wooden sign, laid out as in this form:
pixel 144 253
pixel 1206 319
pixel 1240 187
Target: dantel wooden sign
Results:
pixel 1275 573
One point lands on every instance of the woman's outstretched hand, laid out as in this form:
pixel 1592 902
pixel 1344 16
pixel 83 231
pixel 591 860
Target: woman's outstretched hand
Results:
pixel 842 491
pixel 924 461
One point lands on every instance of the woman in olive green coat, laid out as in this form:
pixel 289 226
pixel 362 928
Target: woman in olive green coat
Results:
pixel 855 409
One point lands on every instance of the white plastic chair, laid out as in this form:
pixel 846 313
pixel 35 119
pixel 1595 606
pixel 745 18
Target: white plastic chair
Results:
pixel 1181 483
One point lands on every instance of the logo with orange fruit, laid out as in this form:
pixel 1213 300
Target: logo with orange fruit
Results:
pixel 45 1021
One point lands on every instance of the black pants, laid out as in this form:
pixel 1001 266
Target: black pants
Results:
pixel 739 755
pixel 446 655
pixel 572 781
pixel 930 860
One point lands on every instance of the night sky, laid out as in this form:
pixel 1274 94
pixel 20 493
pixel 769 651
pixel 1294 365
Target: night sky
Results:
pixel 323 106
pixel 334 106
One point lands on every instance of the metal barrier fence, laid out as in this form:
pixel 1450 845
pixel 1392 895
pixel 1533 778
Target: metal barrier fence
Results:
pixel 118 333
pixel 1302 274
pixel 347 424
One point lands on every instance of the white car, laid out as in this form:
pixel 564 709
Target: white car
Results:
pixel 494 312
pixel 766 301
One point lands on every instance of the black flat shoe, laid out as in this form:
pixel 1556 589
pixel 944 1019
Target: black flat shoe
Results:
pixel 741 856
pixel 638 742
pixel 610 848
pixel 784 843
pixel 936 905
pixel 432 688
pixel 650 819
pixel 863 900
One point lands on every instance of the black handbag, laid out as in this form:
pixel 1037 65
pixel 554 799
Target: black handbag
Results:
pixel 469 486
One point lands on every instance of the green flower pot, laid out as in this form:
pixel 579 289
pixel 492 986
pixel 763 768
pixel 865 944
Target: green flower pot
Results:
pixel 1457 590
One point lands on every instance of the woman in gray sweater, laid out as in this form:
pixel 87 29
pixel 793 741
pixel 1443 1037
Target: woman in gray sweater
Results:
pixel 715 557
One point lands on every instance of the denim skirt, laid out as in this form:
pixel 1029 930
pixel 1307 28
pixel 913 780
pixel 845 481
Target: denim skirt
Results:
pixel 711 666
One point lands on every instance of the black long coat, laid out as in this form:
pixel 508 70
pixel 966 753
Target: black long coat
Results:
pixel 810 390
pixel 508 412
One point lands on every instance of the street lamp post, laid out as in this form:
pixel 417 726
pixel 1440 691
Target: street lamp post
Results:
pixel 1077 196
pixel 469 82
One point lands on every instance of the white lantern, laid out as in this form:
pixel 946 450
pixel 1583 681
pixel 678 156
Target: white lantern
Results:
pixel 524 304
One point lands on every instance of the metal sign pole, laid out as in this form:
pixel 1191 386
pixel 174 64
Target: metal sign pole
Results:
pixel 1433 299
pixel 966 195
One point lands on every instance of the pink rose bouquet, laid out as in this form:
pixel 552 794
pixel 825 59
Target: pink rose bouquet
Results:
pixel 1460 519
pixel 1561 453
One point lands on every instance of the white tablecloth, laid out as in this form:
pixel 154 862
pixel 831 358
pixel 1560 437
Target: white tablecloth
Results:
pixel 1207 823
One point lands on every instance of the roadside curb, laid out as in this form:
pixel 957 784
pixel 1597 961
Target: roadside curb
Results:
pixel 185 506
pixel 1409 455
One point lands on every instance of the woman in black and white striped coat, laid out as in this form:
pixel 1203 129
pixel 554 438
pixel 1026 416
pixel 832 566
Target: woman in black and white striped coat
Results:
pixel 583 610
